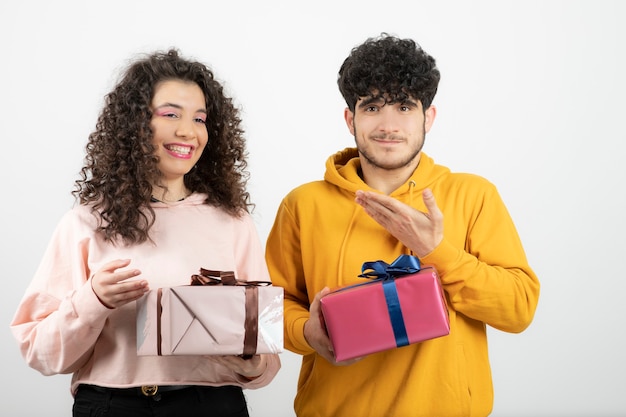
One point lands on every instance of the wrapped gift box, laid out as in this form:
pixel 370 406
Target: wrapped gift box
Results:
pixel 388 312
pixel 236 319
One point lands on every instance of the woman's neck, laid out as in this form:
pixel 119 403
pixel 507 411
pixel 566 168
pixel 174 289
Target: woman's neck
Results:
pixel 170 194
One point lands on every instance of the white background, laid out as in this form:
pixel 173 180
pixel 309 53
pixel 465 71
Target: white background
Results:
pixel 532 97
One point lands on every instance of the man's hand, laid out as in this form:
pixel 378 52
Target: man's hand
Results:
pixel 420 232
pixel 112 288
pixel 315 332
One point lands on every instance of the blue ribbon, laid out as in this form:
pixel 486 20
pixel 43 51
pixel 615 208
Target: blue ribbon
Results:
pixel 382 271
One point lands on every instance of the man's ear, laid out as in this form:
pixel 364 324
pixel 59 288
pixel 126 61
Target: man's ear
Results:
pixel 349 118
pixel 429 117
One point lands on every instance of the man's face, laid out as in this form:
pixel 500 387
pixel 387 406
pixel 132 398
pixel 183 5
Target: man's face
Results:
pixel 389 136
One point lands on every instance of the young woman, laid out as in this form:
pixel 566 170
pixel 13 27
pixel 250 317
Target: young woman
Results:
pixel 162 193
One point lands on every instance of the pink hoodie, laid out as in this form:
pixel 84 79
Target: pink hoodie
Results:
pixel 62 328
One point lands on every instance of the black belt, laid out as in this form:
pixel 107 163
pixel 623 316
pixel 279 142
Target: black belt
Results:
pixel 142 391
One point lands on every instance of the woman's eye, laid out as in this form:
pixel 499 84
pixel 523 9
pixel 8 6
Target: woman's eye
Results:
pixel 200 120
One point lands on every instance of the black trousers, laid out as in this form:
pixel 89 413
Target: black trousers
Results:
pixel 194 401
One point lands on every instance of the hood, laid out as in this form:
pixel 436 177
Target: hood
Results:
pixel 343 169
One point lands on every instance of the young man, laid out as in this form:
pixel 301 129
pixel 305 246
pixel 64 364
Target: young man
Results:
pixel 377 201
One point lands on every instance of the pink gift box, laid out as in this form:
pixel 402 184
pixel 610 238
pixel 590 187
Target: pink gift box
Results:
pixel 210 320
pixel 359 318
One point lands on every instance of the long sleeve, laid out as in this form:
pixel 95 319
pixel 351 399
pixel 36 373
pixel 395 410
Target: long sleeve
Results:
pixel 283 259
pixel 484 270
pixel 59 317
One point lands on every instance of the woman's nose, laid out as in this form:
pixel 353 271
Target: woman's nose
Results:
pixel 185 129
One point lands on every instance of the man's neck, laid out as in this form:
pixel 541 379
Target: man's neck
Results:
pixel 385 180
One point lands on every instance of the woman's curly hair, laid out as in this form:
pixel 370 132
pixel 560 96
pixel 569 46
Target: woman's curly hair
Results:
pixel 120 165
pixel 388 67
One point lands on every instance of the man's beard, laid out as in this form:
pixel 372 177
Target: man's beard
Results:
pixel 373 161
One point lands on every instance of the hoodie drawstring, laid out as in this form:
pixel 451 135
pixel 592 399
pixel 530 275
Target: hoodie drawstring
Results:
pixel 346 237
pixel 412 186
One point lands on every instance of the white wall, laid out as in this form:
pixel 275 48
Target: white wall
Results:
pixel 532 97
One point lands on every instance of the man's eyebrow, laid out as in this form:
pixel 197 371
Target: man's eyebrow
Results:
pixel 370 100
pixel 410 102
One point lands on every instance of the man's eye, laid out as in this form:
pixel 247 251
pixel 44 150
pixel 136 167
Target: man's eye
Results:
pixel 371 108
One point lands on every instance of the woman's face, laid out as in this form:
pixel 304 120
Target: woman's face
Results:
pixel 179 127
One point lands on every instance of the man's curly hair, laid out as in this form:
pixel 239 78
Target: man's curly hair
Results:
pixel 388 67
pixel 121 165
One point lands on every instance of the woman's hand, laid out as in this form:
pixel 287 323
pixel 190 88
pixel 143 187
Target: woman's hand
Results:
pixel 113 288
pixel 248 368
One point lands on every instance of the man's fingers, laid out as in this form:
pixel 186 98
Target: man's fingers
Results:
pixel 375 201
pixel 431 204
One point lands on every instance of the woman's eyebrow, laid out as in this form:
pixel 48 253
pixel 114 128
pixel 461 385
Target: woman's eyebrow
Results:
pixel 178 106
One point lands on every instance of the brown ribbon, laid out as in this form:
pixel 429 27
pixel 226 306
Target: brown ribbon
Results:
pixel 251 324
pixel 159 312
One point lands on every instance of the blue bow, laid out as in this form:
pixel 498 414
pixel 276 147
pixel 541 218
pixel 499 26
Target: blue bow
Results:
pixel 382 271
pixel 403 265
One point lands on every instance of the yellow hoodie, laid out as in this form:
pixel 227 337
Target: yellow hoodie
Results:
pixel 321 237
